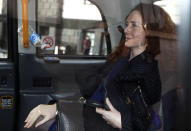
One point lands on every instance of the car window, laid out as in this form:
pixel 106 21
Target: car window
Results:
pixel 3 30
pixel 71 28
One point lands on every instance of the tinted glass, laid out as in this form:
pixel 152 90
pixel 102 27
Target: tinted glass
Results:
pixel 76 27
pixel 3 29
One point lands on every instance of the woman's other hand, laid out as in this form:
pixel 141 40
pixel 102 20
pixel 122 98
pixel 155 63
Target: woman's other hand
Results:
pixel 47 111
pixel 112 117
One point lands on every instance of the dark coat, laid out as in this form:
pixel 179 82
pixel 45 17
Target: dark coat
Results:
pixel 141 70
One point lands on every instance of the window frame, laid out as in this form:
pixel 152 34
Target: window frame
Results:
pixel 4 20
pixel 10 20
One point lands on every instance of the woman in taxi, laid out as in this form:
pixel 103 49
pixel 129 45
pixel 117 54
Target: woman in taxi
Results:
pixel 130 66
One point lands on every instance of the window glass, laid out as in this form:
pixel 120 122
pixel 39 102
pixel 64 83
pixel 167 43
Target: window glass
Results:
pixel 76 27
pixel 172 7
pixel 3 29
pixel 168 62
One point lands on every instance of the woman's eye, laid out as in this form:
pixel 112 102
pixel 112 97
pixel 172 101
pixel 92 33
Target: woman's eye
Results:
pixel 132 25
pixel 135 25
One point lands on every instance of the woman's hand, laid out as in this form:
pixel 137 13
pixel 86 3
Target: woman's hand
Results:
pixel 113 117
pixel 47 111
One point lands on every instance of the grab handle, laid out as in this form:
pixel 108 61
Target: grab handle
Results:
pixel 25 23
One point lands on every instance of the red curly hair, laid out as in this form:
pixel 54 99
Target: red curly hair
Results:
pixel 156 20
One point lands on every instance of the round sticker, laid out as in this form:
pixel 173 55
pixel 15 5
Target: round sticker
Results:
pixel 48 41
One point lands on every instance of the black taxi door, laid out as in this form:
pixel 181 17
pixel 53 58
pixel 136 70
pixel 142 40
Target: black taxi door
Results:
pixel 68 42
pixel 8 65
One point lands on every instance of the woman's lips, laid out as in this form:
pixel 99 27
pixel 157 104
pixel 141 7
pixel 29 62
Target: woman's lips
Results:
pixel 127 38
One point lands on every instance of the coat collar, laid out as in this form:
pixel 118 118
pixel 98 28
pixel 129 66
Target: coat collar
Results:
pixel 142 56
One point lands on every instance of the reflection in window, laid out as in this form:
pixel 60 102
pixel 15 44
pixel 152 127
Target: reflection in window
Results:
pixel 1 6
pixel 3 29
pixel 172 7
pixel 86 2
pixel 70 22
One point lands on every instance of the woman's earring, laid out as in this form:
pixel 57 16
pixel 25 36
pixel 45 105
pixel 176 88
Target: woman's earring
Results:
pixel 145 26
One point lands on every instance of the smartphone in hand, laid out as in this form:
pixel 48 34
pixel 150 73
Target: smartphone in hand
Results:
pixel 98 99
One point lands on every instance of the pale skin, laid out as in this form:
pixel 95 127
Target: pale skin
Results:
pixel 135 39
pixel 46 111
pixel 113 117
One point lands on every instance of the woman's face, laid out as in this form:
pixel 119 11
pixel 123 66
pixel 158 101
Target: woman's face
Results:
pixel 134 32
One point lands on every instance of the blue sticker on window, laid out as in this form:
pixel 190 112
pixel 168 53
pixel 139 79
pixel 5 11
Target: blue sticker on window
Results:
pixel 34 38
